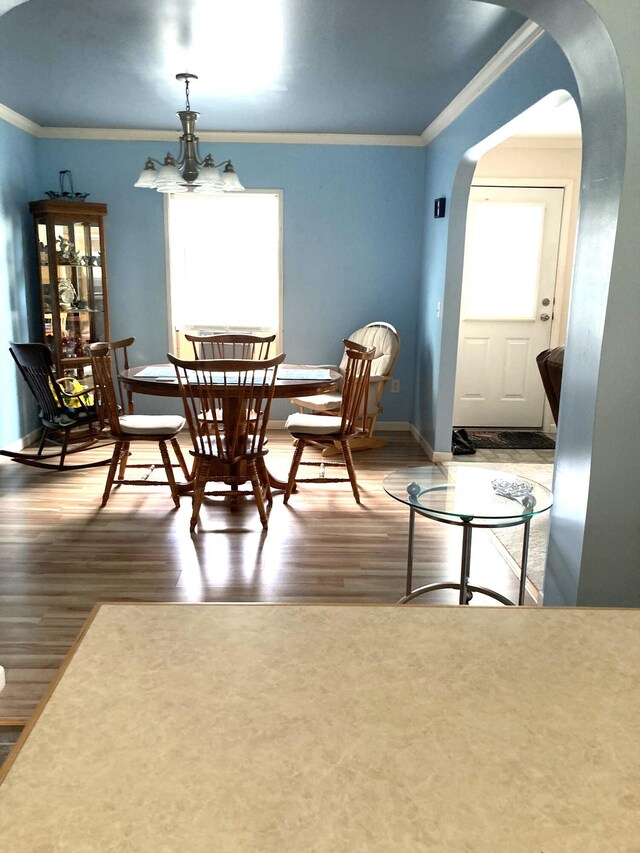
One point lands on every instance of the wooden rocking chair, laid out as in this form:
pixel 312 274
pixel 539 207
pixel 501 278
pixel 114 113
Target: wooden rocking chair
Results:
pixel 66 417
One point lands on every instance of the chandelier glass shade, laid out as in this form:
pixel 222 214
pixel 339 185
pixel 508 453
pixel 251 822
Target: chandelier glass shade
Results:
pixel 189 172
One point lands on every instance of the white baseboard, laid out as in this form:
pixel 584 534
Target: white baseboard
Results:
pixel 433 455
pixel 19 445
pixel 381 426
pixel 396 426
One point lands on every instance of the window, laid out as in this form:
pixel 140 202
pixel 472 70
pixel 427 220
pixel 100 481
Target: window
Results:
pixel 225 264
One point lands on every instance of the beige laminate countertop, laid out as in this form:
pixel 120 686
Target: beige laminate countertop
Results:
pixel 336 728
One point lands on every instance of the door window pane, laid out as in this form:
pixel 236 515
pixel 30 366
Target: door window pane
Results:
pixel 502 260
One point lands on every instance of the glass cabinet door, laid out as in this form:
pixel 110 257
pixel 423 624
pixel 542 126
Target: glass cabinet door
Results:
pixel 73 288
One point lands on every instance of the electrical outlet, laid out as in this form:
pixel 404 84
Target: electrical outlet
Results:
pixel 395 386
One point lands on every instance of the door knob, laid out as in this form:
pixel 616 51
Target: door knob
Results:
pixel 545 317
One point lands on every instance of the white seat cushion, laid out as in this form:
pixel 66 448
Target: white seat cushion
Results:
pixel 313 424
pixel 151 424
pixel 320 402
pixel 333 400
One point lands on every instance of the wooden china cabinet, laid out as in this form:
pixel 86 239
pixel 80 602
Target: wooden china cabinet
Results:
pixel 72 272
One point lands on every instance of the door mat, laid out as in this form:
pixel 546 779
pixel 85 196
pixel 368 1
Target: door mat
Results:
pixel 514 440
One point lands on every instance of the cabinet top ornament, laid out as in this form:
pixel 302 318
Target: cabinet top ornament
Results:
pixel 66 194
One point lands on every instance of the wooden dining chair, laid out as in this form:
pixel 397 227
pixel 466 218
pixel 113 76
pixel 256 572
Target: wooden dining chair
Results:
pixel 341 429
pixel 386 341
pixel 119 362
pixel 243 346
pixel 229 443
pixel 227 345
pixel 70 423
pixel 128 429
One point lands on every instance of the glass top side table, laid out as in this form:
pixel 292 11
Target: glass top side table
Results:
pixel 467 496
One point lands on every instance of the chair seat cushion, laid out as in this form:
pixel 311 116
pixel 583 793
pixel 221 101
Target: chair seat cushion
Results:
pixel 151 424
pixel 313 424
pixel 320 402
pixel 332 401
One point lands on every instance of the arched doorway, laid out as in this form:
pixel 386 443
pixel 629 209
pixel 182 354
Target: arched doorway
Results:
pixel 519 245
pixel 576 574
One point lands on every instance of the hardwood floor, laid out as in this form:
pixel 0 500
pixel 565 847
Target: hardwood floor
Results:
pixel 61 553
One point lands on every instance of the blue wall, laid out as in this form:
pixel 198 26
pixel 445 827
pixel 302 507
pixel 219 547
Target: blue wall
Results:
pixel 357 244
pixel 353 222
pixel 541 70
pixel 17 275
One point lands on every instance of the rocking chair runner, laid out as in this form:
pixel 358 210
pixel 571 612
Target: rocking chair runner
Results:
pixel 59 419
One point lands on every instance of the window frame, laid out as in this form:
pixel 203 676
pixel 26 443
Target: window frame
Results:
pixel 173 333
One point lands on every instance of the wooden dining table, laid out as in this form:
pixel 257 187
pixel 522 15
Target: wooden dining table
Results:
pixel 293 380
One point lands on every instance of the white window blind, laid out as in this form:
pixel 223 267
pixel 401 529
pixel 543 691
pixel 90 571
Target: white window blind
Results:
pixel 224 261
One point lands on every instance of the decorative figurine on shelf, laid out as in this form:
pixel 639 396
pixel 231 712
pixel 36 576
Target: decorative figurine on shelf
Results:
pixel 66 294
pixel 66 195
pixel 67 252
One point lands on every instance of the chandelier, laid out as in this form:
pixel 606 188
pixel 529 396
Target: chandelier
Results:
pixel 188 172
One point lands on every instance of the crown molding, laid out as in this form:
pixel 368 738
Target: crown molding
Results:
pixel 232 136
pixel 14 118
pixel 118 134
pixel 511 50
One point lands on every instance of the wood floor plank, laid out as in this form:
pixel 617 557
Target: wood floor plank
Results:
pixel 61 553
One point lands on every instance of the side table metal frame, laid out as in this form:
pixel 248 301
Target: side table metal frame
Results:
pixel 466 589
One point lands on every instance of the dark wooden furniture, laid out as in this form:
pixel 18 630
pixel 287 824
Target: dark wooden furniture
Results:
pixel 226 404
pixel 159 380
pixel 120 362
pixel 164 383
pixel 64 414
pixel 386 341
pixel 550 363
pixel 230 346
pixel 329 430
pixel 127 429
pixel 72 273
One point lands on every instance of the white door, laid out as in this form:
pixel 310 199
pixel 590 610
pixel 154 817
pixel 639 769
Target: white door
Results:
pixel 509 279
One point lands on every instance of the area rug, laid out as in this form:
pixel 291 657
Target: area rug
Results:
pixel 510 538
pixel 511 440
